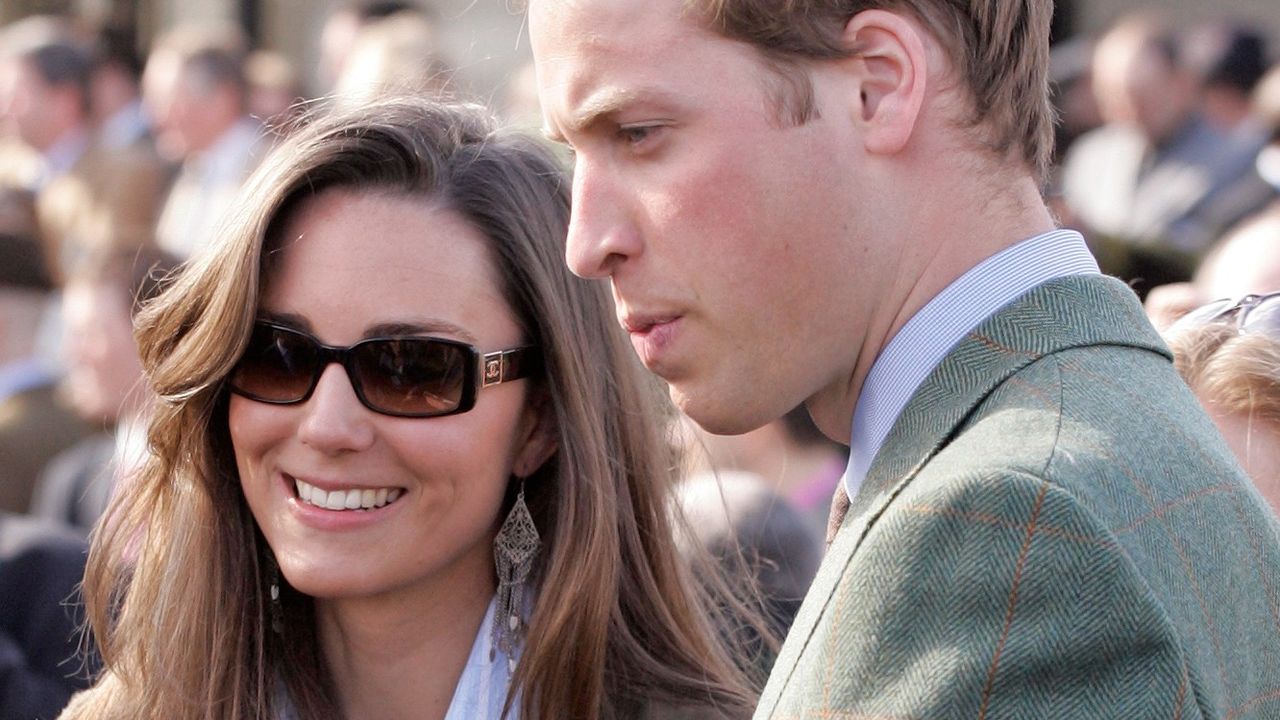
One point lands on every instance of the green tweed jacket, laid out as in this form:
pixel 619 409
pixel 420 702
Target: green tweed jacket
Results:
pixel 1053 529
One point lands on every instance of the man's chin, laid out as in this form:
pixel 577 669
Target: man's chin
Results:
pixel 720 414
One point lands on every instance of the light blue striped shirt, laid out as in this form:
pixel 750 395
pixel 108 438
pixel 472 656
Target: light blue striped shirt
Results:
pixel 933 331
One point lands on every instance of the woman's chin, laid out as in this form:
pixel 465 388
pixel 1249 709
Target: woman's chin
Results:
pixel 329 583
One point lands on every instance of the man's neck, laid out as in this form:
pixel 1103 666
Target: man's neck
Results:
pixel 215 138
pixel 945 240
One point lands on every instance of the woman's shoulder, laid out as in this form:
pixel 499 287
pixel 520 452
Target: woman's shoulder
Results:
pixel 96 703
pixel 84 705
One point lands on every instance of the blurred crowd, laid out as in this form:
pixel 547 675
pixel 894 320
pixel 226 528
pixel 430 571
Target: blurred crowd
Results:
pixel 117 165
pixel 1167 148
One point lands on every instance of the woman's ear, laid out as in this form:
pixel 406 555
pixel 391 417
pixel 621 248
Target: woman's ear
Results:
pixel 889 68
pixel 539 438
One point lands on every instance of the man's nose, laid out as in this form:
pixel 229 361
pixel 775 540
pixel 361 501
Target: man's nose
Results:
pixel 602 231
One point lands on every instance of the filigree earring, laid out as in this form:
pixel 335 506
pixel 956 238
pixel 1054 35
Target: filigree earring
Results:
pixel 514 549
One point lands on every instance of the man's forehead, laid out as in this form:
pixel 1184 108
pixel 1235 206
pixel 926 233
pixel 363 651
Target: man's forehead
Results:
pixel 598 16
pixel 616 27
pixel 578 43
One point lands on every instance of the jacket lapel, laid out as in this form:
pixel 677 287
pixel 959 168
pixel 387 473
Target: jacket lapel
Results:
pixel 1067 313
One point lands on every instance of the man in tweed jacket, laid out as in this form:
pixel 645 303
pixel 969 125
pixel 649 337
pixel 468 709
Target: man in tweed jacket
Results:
pixel 837 202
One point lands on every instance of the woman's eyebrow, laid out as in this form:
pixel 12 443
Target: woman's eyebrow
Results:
pixel 428 326
pixel 292 320
pixel 424 326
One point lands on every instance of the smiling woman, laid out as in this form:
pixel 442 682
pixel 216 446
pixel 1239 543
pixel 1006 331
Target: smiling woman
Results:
pixel 391 476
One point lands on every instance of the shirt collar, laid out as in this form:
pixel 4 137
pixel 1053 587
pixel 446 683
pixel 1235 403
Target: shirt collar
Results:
pixel 930 334
pixel 486 678
pixel 63 154
pixel 123 128
pixel 22 375
pixel 227 156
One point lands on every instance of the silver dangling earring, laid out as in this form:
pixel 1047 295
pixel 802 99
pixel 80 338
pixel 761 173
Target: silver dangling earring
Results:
pixel 276 611
pixel 514 549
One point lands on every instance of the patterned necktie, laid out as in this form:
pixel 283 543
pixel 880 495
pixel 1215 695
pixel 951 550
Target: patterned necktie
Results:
pixel 839 507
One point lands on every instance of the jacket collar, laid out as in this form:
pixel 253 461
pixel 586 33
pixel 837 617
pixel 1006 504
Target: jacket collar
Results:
pixel 1059 315
pixel 1071 312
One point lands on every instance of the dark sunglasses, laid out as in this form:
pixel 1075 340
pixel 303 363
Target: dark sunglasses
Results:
pixel 401 376
pixel 1254 314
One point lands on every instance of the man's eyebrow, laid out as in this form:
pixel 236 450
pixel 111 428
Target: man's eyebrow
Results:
pixel 596 109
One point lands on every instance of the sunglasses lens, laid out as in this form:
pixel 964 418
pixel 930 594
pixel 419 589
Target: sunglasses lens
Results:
pixel 277 366
pixel 1203 315
pixel 415 376
pixel 1264 318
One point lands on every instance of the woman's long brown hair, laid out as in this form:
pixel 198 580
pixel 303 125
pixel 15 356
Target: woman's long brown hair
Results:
pixel 176 588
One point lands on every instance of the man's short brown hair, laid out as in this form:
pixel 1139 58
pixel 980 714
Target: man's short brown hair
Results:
pixel 215 56
pixel 999 48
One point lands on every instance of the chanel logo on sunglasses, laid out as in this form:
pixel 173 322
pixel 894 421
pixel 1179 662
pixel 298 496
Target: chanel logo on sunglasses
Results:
pixel 492 370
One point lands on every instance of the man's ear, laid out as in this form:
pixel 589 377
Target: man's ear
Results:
pixel 890 66
pixel 539 438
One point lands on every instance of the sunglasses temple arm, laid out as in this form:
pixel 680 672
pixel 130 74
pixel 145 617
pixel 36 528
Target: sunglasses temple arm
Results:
pixel 499 367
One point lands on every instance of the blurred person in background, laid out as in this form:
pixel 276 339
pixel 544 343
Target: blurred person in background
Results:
pixel 397 54
pixel 1246 261
pixel 1266 103
pixel 342 28
pixel 92 193
pixel 275 92
pixel 104 383
pixel 44 92
pixel 124 130
pixel 1229 353
pixel 44 103
pixel 116 92
pixel 1228 60
pixel 754 533
pixel 1141 185
pixel 1247 258
pixel 195 88
pixel 789 454
pixel 41 565
pixel 1071 86
pixel 35 421
pixel 136 177
pixel 19 163
pixel 27 281
pixel 401 527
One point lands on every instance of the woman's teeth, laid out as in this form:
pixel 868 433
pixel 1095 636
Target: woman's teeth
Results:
pixel 345 499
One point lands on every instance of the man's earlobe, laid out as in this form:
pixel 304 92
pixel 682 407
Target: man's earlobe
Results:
pixel 890 63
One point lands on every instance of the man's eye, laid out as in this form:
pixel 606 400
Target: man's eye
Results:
pixel 636 134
